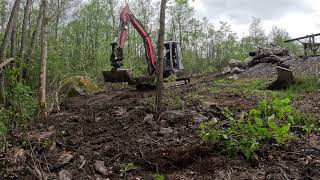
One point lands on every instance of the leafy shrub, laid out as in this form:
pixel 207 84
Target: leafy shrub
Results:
pixel 127 167
pixel 21 106
pixel 158 176
pixel 4 121
pixel 271 121
pixel 173 99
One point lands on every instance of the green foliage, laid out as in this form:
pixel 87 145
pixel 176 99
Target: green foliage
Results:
pixel 158 176
pixel 127 167
pixel 172 78
pixel 244 85
pixel 271 121
pixel 173 99
pixel 258 87
pixel 21 103
pixel 4 121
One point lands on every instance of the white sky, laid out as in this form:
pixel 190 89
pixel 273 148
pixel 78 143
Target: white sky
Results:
pixel 298 17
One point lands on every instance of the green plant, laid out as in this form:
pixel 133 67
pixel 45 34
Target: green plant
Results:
pixel 270 120
pixel 171 79
pixel 21 105
pixel 4 121
pixel 158 176
pixel 173 99
pixel 127 167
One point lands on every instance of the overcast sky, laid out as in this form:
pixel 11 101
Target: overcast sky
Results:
pixel 298 17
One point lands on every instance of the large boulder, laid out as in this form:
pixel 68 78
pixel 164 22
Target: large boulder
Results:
pixel 78 85
pixel 235 63
pixel 226 70
pixel 236 70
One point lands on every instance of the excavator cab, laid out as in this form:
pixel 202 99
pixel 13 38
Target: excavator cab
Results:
pixel 173 59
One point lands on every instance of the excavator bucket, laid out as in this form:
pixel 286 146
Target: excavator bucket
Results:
pixel 118 76
pixel 285 78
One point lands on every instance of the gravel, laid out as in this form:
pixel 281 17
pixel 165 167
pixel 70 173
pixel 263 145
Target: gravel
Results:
pixel 309 66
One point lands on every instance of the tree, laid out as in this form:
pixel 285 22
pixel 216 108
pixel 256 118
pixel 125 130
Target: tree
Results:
pixel 161 36
pixel 278 35
pixel 4 45
pixel 32 45
pixel 3 14
pixel 257 33
pixel 43 56
pixel 24 34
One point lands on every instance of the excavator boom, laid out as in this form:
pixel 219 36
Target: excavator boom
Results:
pixel 126 18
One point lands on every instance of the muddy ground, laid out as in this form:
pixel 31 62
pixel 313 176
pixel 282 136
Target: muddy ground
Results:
pixel 95 137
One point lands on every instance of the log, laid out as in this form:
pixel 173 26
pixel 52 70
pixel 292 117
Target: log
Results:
pixel 2 65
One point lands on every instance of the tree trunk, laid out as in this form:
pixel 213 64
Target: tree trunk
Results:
pixel 24 35
pixel 43 57
pixel 161 35
pixel 57 20
pixel 32 46
pixel 3 12
pixel 13 52
pixel 4 45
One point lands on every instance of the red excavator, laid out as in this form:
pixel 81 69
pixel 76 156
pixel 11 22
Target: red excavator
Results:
pixel 173 57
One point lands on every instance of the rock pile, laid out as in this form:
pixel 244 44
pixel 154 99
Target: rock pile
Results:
pixel 263 63
pixel 269 55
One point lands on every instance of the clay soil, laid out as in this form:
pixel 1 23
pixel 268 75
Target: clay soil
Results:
pixel 117 127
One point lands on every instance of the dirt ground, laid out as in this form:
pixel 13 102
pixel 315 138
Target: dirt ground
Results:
pixel 95 137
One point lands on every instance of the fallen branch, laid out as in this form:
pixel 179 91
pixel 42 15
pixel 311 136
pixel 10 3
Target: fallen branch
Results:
pixel 2 65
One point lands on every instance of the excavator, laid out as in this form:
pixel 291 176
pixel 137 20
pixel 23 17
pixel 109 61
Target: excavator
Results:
pixel 172 63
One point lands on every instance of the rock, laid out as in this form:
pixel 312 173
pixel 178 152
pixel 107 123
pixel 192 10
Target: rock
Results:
pixel 78 85
pixel 226 70
pixel 246 62
pixel 236 70
pixel 101 168
pixel 165 131
pixel 199 118
pixel 39 137
pixel 65 158
pixel 16 155
pixel 235 63
pixel 234 77
pixel 148 118
pixel 65 175
pixel 174 114
pixel 120 111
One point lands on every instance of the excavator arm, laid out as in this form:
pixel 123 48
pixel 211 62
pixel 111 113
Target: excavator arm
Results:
pixel 117 57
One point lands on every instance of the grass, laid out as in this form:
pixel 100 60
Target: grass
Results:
pixel 258 87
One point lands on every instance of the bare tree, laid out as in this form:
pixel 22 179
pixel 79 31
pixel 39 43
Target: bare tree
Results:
pixel 160 58
pixel 4 45
pixel 43 56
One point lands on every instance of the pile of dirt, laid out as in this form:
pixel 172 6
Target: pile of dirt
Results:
pixel 96 137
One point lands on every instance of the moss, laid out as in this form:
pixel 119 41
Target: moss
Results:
pixel 79 85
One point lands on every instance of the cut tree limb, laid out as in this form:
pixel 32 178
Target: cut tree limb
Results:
pixel 6 62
